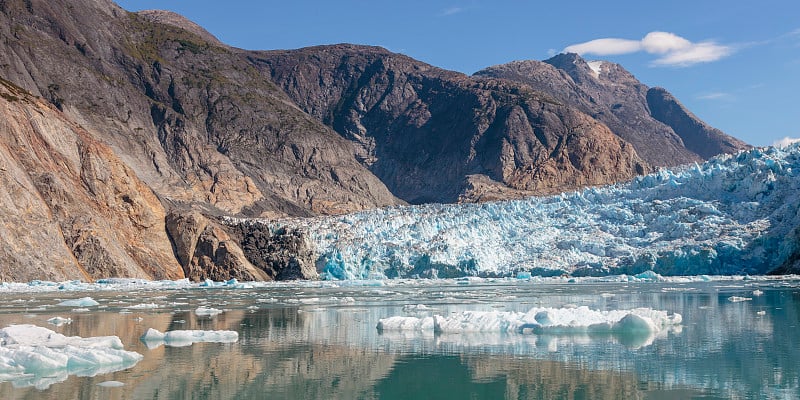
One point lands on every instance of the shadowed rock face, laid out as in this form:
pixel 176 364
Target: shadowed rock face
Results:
pixel 424 131
pixel 661 130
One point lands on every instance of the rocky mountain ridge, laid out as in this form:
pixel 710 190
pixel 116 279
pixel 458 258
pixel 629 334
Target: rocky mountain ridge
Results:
pixel 180 128
pixel 663 132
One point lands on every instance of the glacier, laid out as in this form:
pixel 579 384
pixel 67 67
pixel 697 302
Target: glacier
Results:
pixel 734 214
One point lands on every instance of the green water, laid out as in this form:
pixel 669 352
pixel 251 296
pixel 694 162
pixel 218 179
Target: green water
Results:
pixel 319 341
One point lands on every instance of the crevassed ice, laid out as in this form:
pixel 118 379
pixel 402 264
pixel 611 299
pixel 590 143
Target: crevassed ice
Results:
pixel 34 356
pixel 730 215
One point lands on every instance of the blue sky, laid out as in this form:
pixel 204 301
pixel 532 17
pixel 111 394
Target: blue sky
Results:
pixel 736 64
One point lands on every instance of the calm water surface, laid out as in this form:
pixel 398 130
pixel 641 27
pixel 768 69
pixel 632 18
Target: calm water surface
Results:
pixel 319 341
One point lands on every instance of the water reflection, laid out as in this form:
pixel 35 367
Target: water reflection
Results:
pixel 300 342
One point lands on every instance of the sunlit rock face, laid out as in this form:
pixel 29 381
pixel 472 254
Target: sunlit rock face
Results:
pixel 663 132
pixel 69 207
pixel 736 214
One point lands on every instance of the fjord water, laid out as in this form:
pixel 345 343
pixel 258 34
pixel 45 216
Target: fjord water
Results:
pixel 319 340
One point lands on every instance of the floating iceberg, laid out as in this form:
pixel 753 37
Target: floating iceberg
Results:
pixel 735 214
pixel 58 321
pixel 82 302
pixel 540 320
pixel 204 311
pixel 637 326
pixel 180 338
pixel 34 356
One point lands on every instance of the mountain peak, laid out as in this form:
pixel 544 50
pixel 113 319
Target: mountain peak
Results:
pixel 171 18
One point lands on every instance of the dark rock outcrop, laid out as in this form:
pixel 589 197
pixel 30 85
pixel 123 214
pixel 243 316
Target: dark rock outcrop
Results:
pixel 283 253
pixel 206 251
pixel 660 129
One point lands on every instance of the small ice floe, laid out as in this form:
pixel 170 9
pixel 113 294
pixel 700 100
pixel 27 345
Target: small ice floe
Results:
pixel 737 299
pixel 180 338
pixel 82 302
pixel 35 356
pixel 757 292
pixel 58 321
pixel 648 276
pixel 144 306
pixel 637 326
pixel 204 311
pixel 111 384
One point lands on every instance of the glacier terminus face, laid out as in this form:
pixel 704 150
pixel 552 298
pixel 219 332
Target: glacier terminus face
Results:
pixel 735 214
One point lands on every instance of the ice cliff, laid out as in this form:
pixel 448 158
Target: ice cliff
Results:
pixel 735 214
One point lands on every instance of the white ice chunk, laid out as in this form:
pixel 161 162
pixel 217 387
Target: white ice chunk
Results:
pixel 82 302
pixel 405 324
pixel 181 338
pixel 204 311
pixel 541 321
pixel 144 306
pixel 58 321
pixel 34 356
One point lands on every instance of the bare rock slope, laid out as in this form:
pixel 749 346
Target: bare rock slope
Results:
pixel 661 130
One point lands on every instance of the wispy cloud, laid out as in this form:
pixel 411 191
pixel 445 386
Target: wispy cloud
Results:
pixel 715 96
pixel 671 49
pixel 451 11
pixel 786 141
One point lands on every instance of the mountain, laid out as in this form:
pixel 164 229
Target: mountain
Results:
pixel 174 130
pixel 193 118
pixel 433 135
pixel 663 132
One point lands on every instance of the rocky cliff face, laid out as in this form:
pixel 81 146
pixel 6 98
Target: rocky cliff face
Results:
pixel 661 130
pixel 69 207
pixel 428 133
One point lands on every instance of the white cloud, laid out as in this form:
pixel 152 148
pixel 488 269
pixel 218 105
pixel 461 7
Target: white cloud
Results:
pixel 672 49
pixel 695 54
pixel 605 47
pixel 785 142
